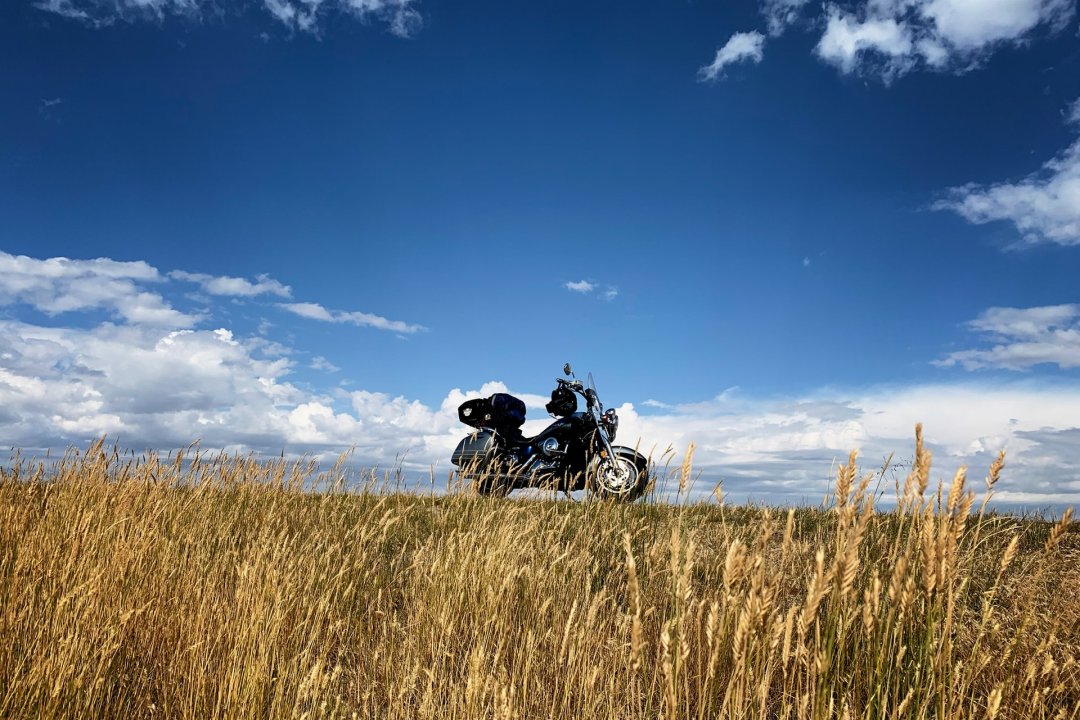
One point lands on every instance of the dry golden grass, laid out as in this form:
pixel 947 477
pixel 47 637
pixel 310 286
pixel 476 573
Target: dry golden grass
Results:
pixel 222 587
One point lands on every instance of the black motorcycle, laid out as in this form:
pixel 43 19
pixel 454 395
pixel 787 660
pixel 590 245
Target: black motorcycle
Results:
pixel 573 453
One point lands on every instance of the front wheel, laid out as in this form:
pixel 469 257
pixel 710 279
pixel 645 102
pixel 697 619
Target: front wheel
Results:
pixel 624 477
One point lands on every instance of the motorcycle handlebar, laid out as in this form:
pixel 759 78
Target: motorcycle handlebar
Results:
pixel 579 387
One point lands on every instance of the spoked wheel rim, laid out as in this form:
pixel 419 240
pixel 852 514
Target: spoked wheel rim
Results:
pixel 618 477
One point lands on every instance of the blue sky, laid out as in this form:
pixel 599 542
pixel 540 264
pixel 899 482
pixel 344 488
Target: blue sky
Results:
pixel 779 229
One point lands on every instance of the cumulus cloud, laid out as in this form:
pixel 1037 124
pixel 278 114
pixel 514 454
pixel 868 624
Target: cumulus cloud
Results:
pixel 1044 207
pixel 151 377
pixel 849 42
pixel 60 285
pixel 400 16
pixel 234 286
pixel 740 47
pixel 891 37
pixel 149 387
pixel 784 450
pixel 314 311
pixel 1022 338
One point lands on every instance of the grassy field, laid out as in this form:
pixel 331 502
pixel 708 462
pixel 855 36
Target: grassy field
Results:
pixel 222 588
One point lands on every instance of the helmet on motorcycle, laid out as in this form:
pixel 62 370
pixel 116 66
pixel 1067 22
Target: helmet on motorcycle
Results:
pixel 563 402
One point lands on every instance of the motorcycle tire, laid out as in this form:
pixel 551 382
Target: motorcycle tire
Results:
pixel 491 487
pixel 626 480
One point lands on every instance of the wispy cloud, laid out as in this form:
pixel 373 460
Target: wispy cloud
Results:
pixel 1021 338
pixel 586 287
pixel 780 14
pixel 1044 207
pixel 320 363
pixel 401 17
pixel 740 47
pixel 132 292
pixel 314 311
pixel 580 286
pixel 1072 113
pixel 49 108
pixel 234 286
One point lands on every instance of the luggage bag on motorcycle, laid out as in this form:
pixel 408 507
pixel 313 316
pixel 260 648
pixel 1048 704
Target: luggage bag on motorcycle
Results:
pixel 501 411
pixel 474 448
pixel 475 413
pixel 507 411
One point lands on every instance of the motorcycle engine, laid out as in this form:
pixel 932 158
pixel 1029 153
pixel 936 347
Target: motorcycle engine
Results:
pixel 550 447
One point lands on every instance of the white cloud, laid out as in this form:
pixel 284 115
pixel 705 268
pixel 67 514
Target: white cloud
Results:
pixel 234 286
pixel 779 14
pixel 1023 338
pixel 49 108
pixel 847 42
pixel 971 25
pixel 149 387
pixel 400 16
pixel 740 47
pixel 586 287
pixel 105 12
pixel 1044 207
pixel 580 286
pixel 314 311
pixel 320 363
pixel 891 37
pixel 123 289
pixel 60 285
pixel 783 450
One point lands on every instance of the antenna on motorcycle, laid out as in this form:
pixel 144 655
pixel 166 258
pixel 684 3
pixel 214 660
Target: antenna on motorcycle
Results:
pixel 567 370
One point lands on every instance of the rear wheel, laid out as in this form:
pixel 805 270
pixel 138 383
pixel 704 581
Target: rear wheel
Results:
pixel 624 477
pixel 492 486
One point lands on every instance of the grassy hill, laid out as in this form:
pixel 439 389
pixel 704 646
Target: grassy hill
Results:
pixel 219 587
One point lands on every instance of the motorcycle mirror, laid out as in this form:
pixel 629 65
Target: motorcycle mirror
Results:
pixel 567 370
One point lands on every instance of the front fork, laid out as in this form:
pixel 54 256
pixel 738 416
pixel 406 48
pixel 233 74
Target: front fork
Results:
pixel 607 452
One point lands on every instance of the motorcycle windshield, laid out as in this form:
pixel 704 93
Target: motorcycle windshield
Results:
pixel 592 386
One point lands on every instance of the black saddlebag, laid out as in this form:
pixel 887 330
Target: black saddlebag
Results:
pixel 474 448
